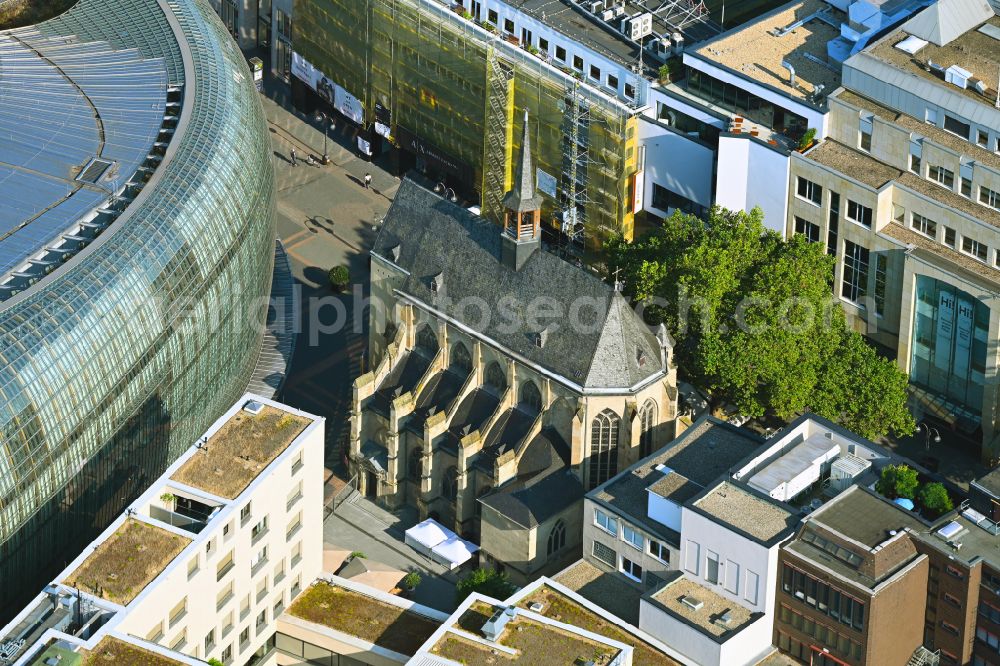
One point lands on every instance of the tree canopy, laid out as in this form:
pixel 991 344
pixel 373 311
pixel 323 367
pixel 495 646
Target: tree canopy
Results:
pixel 486 581
pixel 897 481
pixel 756 323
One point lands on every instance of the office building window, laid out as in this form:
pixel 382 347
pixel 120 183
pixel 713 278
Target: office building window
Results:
pixel 631 569
pixel 712 567
pixel 543 45
pixel 807 229
pixel 578 63
pixel 949 347
pixel 560 53
pixel 923 225
pixel 855 281
pixel 983 138
pixel 632 537
pixel 831 234
pixel 508 26
pixel 606 522
pixel 967 187
pixel 974 248
pixel 989 197
pixel 860 214
pixel 880 271
pixel 595 72
pixel 941 175
pixel 915 163
pixel 809 191
pixel 630 91
pixel 956 126
pixel 492 17
pixel 824 598
pixel 659 551
pixel 866 134
pixel 612 81
pixel 949 237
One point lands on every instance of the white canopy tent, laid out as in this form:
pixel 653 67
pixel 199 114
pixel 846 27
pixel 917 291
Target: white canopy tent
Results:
pixel 437 542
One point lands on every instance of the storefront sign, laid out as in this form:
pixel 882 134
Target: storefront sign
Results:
pixel 336 96
pixel 546 183
pixel 434 157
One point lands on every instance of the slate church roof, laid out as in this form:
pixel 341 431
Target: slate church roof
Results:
pixel 453 263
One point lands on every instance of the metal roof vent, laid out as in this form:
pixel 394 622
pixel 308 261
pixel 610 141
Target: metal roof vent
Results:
pixel 725 618
pixel 253 407
pixel 692 603
pixel 96 168
pixel 496 624
pixel 536 607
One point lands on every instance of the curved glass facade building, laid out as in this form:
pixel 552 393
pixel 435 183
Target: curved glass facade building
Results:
pixel 136 250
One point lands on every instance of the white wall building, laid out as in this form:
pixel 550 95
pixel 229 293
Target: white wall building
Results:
pixel 205 560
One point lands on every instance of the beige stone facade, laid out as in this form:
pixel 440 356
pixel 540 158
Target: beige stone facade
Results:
pixel 912 201
pixel 496 430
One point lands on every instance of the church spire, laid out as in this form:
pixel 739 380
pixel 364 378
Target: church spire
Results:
pixel 523 198
pixel 521 233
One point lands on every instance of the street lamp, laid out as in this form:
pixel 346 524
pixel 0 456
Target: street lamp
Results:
pixel 325 120
pixel 928 431
pixel 446 192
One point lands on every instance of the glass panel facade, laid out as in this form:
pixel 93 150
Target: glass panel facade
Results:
pixel 949 342
pixel 116 362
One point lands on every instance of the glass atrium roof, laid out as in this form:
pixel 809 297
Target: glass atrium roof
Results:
pixel 63 104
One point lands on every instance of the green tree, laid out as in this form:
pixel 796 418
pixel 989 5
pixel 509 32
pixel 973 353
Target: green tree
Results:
pixel 340 277
pixel 897 481
pixel 490 582
pixel 215 662
pixel 935 499
pixel 755 321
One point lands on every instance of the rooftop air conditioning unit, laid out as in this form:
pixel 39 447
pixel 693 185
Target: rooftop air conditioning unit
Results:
pixel 638 26
pixel 596 6
pixel 957 76
pixel 608 15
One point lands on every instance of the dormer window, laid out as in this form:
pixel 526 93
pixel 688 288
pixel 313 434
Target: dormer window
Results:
pixel 437 283
pixel 394 252
pixel 640 357
pixel 542 336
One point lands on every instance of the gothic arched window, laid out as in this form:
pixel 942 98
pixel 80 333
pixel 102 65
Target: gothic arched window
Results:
pixel 557 538
pixel 416 464
pixel 647 419
pixel 450 483
pixel 531 397
pixel 461 361
pixel 495 377
pixel 427 340
pixel 603 447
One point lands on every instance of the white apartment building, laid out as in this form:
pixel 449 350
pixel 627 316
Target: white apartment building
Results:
pixel 203 562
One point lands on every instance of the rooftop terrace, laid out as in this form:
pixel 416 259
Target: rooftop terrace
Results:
pixel 757 49
pixel 240 450
pixel 111 651
pixel 534 643
pixel 364 617
pixel 708 617
pixel 128 560
pixel 557 606
pixel 703 453
pixel 863 517
pixel 731 505
pixel 853 163
pixel 973 50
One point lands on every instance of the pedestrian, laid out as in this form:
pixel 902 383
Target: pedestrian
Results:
pixel 295 160
pixel 368 181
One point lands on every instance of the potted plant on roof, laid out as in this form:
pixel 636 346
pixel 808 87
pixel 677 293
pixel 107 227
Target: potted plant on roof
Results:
pixel 807 140
pixel 410 582
pixel 340 277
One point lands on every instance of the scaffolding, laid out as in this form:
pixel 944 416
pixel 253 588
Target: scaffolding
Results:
pixel 459 88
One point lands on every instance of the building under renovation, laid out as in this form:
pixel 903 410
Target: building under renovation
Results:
pixel 445 83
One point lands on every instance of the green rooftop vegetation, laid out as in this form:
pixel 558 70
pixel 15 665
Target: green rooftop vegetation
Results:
pixel 240 450
pixel 127 561
pixel 364 617
pixel 18 13
pixel 559 607
pixel 112 651
pixel 536 644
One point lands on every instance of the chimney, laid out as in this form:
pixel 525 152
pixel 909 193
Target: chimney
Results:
pixel 521 234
